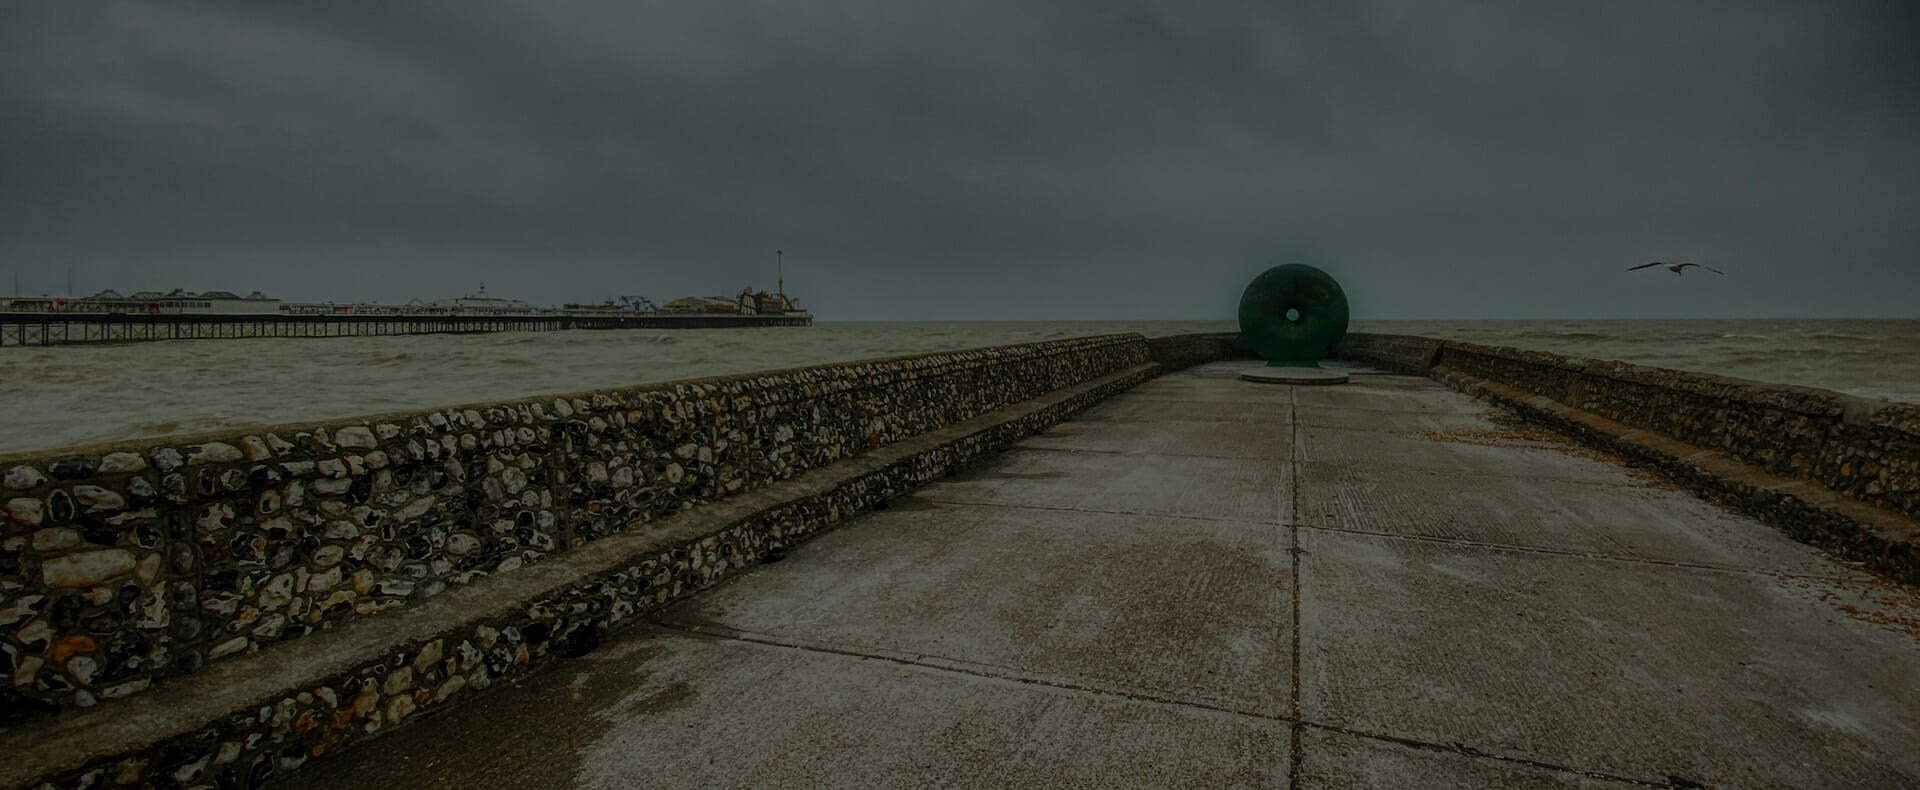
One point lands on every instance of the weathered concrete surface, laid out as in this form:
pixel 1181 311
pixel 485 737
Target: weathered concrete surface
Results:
pixel 1191 609
pixel 1463 603
pixel 1339 760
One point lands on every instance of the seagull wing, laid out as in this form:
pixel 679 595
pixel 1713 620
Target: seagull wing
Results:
pixel 1645 265
pixel 1711 269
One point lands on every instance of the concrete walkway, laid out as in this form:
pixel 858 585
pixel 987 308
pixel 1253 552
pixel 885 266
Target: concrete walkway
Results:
pixel 1212 583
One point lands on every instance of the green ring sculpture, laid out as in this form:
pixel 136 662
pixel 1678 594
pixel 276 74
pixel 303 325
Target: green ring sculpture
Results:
pixel 1292 315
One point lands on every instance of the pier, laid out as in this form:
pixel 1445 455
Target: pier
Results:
pixel 1209 583
pixel 1098 562
pixel 55 328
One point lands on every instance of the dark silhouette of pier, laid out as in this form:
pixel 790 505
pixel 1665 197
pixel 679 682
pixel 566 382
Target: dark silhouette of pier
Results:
pixel 56 329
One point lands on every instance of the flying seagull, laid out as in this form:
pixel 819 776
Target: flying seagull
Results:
pixel 1676 268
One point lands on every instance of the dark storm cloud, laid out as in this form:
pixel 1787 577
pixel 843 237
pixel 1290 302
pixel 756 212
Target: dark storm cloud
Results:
pixel 990 160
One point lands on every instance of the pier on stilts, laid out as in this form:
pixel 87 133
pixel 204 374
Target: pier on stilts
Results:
pixel 54 329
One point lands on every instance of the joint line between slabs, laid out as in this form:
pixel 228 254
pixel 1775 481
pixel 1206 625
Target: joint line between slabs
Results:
pixel 1478 544
pixel 1351 409
pixel 1403 431
pixel 733 636
pixel 1469 751
pixel 1023 447
pixel 1390 465
pixel 1177 420
pixel 1294 756
pixel 1177 517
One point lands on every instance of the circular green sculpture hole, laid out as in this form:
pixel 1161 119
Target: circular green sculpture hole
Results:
pixel 1293 314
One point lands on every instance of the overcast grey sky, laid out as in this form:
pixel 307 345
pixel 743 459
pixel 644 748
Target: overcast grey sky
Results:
pixel 993 159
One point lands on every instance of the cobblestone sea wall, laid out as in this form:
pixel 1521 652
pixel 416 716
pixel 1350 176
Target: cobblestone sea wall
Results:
pixel 482 634
pixel 1398 353
pixel 123 566
pixel 1830 469
pixel 1867 450
pixel 1179 352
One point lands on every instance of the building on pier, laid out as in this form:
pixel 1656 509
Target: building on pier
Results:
pixel 183 302
pixel 176 302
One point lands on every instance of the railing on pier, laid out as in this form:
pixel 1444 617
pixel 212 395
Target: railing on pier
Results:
pixel 53 329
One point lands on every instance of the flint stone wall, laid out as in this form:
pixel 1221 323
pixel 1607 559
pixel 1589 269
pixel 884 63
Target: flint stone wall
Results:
pixel 1398 353
pixel 121 566
pixel 1866 450
pixel 1179 352
pixel 244 728
pixel 1829 469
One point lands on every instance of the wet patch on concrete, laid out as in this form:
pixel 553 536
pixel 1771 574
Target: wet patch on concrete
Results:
pixel 678 695
pixel 527 731
pixel 803 718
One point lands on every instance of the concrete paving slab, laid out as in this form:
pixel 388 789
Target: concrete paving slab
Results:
pixel 1410 423
pixel 1496 457
pixel 1633 522
pixel 1387 393
pixel 1181 609
pixel 1221 370
pixel 1199 390
pixel 1232 368
pixel 1187 486
pixel 1173 410
pixel 1628 669
pixel 658 708
pixel 1339 760
pixel 1269 440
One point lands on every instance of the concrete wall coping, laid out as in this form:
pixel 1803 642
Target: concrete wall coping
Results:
pixel 903 366
pixel 1812 401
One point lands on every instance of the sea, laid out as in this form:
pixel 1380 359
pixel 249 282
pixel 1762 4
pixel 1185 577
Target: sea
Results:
pixel 59 397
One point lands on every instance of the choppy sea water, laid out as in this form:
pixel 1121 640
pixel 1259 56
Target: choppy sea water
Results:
pixel 58 397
